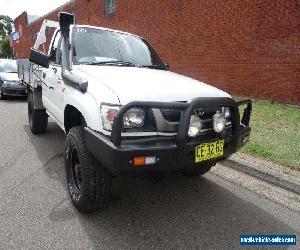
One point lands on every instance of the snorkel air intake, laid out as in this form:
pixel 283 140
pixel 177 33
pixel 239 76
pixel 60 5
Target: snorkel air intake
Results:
pixel 71 79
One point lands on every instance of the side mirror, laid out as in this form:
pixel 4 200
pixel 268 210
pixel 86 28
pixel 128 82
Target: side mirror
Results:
pixel 39 58
pixel 167 66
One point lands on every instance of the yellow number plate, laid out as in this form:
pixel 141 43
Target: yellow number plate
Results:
pixel 207 151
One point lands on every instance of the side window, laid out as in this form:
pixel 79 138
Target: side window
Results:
pixel 55 54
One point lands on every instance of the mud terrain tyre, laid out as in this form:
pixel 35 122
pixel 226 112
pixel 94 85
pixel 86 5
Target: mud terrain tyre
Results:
pixel 88 182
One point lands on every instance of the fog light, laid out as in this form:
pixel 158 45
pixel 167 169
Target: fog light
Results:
pixel 139 161
pixel 219 122
pixel 195 126
pixel 150 160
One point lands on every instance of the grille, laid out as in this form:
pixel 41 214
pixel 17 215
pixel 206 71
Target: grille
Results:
pixel 171 115
pixel 15 83
pixel 168 119
pixel 15 91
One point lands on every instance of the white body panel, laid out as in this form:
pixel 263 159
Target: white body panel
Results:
pixel 117 85
pixel 53 95
pixel 121 85
pixel 143 84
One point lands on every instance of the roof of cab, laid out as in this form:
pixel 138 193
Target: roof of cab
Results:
pixel 107 29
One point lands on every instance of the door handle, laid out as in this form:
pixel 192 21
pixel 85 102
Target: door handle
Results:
pixel 44 75
pixel 50 87
pixel 54 69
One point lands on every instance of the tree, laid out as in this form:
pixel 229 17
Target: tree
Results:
pixel 5 49
pixel 5 30
pixel 5 26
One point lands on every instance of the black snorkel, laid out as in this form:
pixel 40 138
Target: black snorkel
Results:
pixel 71 79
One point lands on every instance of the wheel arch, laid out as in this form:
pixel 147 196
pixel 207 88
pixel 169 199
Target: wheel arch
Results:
pixel 86 105
pixel 73 117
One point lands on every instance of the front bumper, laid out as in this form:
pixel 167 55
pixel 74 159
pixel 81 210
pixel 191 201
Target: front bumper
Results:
pixel 14 90
pixel 174 153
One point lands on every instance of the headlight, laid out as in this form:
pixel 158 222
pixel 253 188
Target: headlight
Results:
pixel 6 82
pixel 195 126
pixel 219 121
pixel 108 114
pixel 134 118
pixel 226 111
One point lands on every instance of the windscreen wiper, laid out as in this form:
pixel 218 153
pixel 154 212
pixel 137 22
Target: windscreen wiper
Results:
pixel 117 63
pixel 155 66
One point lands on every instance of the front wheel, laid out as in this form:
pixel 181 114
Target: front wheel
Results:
pixel 88 182
pixel 198 171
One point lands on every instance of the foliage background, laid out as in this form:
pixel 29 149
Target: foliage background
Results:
pixel 5 30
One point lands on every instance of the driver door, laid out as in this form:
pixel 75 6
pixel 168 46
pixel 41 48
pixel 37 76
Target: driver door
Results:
pixel 53 87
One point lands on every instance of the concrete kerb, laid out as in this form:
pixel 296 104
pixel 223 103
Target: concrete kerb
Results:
pixel 278 179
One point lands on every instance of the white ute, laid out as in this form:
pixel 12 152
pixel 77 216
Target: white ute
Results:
pixel 123 110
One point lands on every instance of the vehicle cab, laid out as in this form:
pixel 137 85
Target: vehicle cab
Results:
pixel 124 110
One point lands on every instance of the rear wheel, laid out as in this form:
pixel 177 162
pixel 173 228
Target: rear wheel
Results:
pixel 198 171
pixel 38 118
pixel 88 182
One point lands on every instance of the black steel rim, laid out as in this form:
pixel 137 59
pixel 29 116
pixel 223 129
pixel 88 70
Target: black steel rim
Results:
pixel 76 169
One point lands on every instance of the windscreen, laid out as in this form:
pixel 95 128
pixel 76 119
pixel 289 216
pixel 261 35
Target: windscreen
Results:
pixel 8 66
pixel 96 46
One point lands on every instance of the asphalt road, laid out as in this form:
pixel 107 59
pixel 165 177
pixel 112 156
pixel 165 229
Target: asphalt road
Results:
pixel 175 213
